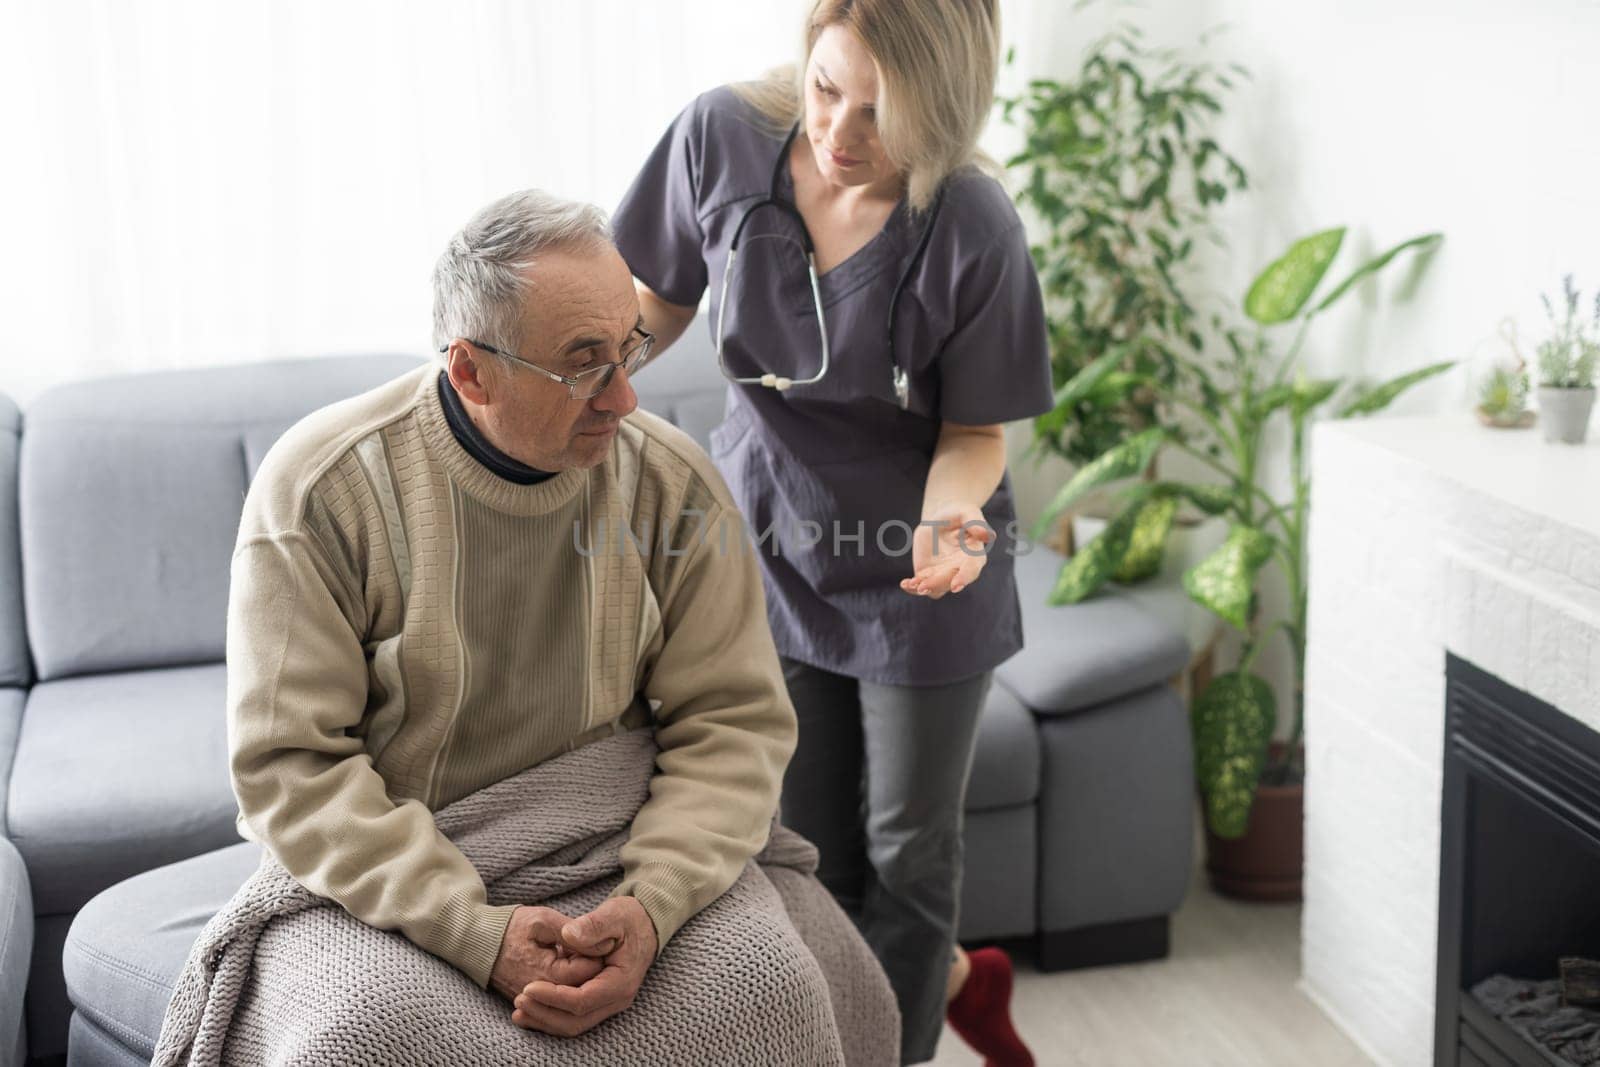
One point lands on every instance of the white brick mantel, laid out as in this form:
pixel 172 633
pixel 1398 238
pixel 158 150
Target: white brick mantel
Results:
pixel 1427 533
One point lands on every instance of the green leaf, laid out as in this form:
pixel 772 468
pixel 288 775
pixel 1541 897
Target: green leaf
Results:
pixel 1271 399
pixel 1081 384
pixel 1426 241
pixel 1307 395
pixel 1211 499
pixel 1281 290
pixel 1148 539
pixel 1092 565
pixel 1232 720
pixel 1125 460
pixel 1133 75
pixel 1379 396
pixel 1114 387
pixel 1225 581
pixel 1300 397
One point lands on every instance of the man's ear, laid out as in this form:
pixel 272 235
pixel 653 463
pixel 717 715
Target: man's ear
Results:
pixel 464 365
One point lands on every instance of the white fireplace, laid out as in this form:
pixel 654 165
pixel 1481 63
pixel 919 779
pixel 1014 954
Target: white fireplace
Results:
pixel 1427 534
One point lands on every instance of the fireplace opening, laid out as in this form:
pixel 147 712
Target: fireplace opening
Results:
pixel 1519 879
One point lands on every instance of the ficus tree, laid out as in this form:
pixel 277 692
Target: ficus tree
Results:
pixel 1121 174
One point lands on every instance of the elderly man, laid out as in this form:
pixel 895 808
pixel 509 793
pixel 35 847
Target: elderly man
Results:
pixel 418 611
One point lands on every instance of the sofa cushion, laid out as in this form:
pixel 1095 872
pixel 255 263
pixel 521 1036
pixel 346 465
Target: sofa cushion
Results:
pixel 14 668
pixel 128 945
pixel 118 773
pixel 1083 654
pixel 130 491
pixel 1005 770
pixel 93 1047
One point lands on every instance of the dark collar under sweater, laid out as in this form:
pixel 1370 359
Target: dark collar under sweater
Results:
pixel 477 445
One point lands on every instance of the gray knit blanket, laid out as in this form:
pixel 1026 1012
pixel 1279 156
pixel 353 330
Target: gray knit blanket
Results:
pixel 771 972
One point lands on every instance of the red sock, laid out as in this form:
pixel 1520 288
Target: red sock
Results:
pixel 981 1012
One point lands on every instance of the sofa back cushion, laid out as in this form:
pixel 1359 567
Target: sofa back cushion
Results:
pixel 13 634
pixel 129 500
pixel 684 386
pixel 131 488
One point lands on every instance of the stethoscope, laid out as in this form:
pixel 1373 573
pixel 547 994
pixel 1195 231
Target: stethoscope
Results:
pixel 900 380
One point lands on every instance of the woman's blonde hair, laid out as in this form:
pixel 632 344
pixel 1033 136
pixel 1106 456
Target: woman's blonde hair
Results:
pixel 936 63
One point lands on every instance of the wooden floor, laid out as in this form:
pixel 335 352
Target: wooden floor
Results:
pixel 1227 996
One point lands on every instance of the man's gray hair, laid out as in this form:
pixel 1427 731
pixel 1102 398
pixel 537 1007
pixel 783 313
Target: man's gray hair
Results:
pixel 479 284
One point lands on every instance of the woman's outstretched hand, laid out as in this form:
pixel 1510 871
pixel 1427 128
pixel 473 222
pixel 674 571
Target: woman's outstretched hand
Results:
pixel 948 551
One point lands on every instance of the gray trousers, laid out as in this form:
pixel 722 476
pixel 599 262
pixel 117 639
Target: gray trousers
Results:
pixel 878 783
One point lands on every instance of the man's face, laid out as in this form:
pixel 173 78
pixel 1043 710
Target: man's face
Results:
pixel 580 311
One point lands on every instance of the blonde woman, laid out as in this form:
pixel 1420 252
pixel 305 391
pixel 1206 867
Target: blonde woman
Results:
pixel 880 321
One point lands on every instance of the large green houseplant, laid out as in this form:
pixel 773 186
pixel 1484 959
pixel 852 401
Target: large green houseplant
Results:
pixel 1237 400
pixel 1122 177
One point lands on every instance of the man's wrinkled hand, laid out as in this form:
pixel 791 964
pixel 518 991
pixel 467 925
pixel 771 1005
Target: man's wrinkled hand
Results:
pixel 621 937
pixel 532 951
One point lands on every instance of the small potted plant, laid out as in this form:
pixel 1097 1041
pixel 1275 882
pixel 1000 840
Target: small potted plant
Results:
pixel 1567 363
pixel 1503 397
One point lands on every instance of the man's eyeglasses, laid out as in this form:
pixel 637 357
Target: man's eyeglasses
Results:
pixel 589 383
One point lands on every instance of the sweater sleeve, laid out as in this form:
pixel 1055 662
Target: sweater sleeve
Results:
pixel 307 790
pixel 726 731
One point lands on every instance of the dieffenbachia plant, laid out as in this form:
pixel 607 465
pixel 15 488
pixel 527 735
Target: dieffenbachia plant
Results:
pixel 1231 409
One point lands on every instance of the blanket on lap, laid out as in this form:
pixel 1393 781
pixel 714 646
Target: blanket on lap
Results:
pixel 772 971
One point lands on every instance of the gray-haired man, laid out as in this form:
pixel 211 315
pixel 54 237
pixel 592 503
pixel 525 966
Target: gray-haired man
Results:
pixel 411 620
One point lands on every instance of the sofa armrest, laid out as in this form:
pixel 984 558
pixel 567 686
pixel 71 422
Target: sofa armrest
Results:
pixel 12 701
pixel 15 668
pixel 1081 655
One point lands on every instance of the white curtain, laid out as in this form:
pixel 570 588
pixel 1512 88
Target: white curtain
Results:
pixel 198 182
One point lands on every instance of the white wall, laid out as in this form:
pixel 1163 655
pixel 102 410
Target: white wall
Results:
pixel 1396 117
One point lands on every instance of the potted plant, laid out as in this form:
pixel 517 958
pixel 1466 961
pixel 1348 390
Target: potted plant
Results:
pixel 1254 849
pixel 1503 397
pixel 1122 178
pixel 1567 361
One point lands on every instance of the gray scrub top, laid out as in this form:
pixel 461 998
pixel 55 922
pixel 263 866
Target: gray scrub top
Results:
pixel 841 454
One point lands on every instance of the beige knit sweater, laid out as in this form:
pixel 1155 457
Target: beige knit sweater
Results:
pixel 405 627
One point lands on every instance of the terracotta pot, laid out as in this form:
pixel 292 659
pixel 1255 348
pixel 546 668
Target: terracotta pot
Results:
pixel 1266 863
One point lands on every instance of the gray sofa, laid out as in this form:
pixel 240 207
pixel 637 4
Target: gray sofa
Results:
pixel 126 494
pixel 16 947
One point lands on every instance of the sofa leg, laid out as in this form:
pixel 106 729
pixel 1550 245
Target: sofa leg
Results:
pixel 1132 941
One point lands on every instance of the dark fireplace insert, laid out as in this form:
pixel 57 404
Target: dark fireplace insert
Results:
pixel 1519 878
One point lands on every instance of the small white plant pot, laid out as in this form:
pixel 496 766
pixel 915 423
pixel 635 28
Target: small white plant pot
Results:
pixel 1564 413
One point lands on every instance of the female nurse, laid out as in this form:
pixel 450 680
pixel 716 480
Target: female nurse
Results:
pixel 880 318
